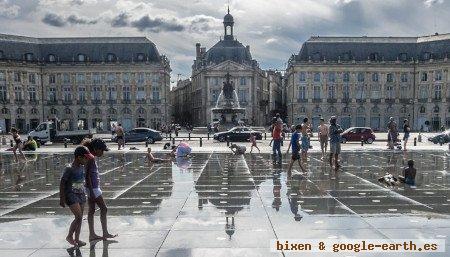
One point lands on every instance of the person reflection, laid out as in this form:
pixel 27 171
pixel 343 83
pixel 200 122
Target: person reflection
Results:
pixel 19 178
pixel 276 192
pixel 293 193
pixel 105 248
pixel 229 228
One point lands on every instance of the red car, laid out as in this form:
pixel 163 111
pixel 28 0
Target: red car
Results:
pixel 358 133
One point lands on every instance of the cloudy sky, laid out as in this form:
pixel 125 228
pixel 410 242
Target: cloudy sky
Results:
pixel 274 29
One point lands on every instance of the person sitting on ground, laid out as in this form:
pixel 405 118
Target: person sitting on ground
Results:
pixel 409 174
pixel 30 144
pixel 152 159
pixel 238 149
pixel 389 179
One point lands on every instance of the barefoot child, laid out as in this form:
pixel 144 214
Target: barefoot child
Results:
pixel 409 174
pixel 97 147
pixel 18 144
pixel 295 150
pixel 253 141
pixel 152 159
pixel 71 192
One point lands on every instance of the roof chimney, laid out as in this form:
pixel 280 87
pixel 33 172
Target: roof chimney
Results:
pixel 197 50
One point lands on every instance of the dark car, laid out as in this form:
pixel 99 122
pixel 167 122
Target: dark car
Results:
pixel 142 135
pixel 357 134
pixel 441 138
pixel 237 134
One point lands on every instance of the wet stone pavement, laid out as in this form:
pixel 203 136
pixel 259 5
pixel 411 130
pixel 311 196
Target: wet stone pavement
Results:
pixel 223 205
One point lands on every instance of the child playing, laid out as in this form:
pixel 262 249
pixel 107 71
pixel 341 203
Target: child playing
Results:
pixel 253 141
pixel 295 150
pixel 71 192
pixel 409 174
pixel 18 144
pixel 152 159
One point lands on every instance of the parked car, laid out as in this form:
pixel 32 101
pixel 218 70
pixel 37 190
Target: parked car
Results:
pixel 141 135
pixel 237 134
pixel 358 133
pixel 441 138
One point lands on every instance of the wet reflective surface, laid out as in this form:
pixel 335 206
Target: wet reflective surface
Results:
pixel 225 205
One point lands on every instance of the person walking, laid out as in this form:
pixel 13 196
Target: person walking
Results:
pixel 295 150
pixel 120 136
pixel 253 142
pixel 334 132
pixel 306 133
pixel 97 147
pixel 276 145
pixel 392 133
pixel 323 137
pixel 406 131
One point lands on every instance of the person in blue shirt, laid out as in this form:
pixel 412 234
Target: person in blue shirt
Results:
pixel 295 150
pixel 335 131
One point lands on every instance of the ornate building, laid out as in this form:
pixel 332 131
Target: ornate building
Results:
pixel 250 82
pixel 366 80
pixel 82 82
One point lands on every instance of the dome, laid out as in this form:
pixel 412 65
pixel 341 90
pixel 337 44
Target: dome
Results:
pixel 228 50
pixel 228 18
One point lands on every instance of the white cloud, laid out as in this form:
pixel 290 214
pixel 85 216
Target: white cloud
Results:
pixel 430 3
pixel 271 40
pixel 8 9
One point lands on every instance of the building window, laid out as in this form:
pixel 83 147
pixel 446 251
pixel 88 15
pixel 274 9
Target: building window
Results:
pixel 346 77
pixel 331 92
pixel 140 57
pixel 403 57
pixel 346 56
pixel 422 109
pixel 404 77
pixel 243 81
pixel 346 92
pixel 2 76
pixel 374 57
pixel 80 78
pixel 5 111
pixel 302 92
pixel 375 77
pixel 140 95
pixel 141 111
pixel 141 78
pixel 53 111
pixel 67 92
pixel 317 77
pixel 424 76
pixel 126 78
pixel 112 93
pixel 51 58
pixel 52 78
pixel 97 93
pixel 438 75
pixel 437 92
pixel 317 57
pixel 126 93
pixel 82 94
pixel 426 56
pixel 390 77
pixel 96 78
pixel 390 92
pixel 242 95
pixel 17 77
pixel 18 93
pixel 302 109
pixel 376 92
pixel 332 77
pixel 155 93
pixel 51 94
pixel 82 111
pixel 97 111
pixel 404 92
pixel 436 109
pixel 28 57
pixel 3 93
pixel 81 57
pixel 155 110
pixel 20 111
pixel 66 78
pixel 302 76
pixel 32 94
pixel 34 111
pixel 360 92
pixel 423 92
pixel 316 92
pixel 67 111
pixel 360 77
pixel 32 78
pixel 112 111
pixel 111 57
pixel 111 78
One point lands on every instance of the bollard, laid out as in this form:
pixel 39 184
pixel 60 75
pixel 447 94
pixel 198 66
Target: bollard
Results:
pixel 11 143
pixel 65 143
pixel 228 140
pixel 3 140
pixel 208 135
pixel 173 140
pixel 419 138
pixel 265 136
pixel 201 142
pixel 170 136
pixel 415 141
pixel 189 136
pixel 146 143
pixel 362 141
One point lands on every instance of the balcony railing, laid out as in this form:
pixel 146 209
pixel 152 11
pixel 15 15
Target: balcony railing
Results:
pixel 346 100
pixel 422 100
pixel 67 102
pixel 405 101
pixel 359 100
pixel 20 101
pixel 4 101
pixel 96 101
pixel 437 100
pixel 34 102
pixel 331 100
pixel 126 101
pixel 302 100
pixel 389 100
pixel 52 102
pixel 82 101
pixel 155 101
pixel 375 101
pixel 316 100
pixel 111 101
pixel 141 101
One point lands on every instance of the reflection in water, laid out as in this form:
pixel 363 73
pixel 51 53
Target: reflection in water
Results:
pixel 276 191
pixel 105 247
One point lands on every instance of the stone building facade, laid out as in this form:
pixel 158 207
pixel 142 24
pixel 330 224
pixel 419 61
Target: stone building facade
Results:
pixel 229 56
pixel 365 80
pixel 82 82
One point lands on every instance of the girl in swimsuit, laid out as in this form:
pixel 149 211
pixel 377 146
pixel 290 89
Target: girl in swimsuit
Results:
pixel 18 144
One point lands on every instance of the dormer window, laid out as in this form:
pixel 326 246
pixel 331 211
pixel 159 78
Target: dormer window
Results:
pixel 374 57
pixel 140 57
pixel 403 57
pixel 111 57
pixel 51 58
pixel 28 57
pixel 317 57
pixel 346 57
pixel 81 57
pixel 426 56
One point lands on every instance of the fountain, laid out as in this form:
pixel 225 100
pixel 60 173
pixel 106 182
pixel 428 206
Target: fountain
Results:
pixel 227 110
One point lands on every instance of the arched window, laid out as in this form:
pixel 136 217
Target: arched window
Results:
pixel 436 109
pixel 422 109
pixel 141 111
pixel 82 111
pixel 81 58
pixel 67 111
pixel 403 57
pixel 347 56
pixel 426 56
pixel 112 111
pixel 51 58
pixel 403 110
pixel 111 57
pixel 317 57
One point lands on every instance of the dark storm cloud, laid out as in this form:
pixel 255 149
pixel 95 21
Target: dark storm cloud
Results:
pixel 156 25
pixel 121 20
pixel 56 20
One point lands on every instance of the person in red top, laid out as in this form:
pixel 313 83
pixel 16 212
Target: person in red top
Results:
pixel 276 146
